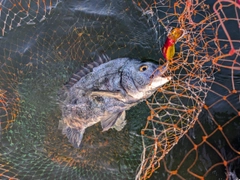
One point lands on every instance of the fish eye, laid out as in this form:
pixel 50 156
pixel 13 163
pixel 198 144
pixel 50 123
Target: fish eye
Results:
pixel 143 68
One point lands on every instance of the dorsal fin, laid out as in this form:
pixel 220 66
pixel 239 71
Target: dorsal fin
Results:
pixel 98 60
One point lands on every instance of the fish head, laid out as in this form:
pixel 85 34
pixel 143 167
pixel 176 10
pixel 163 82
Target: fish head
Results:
pixel 141 79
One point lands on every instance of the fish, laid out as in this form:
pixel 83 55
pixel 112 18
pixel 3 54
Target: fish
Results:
pixel 168 49
pixel 103 90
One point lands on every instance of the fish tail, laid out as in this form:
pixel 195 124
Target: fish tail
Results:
pixel 74 135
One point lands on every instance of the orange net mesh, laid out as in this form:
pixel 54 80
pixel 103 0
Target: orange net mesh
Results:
pixel 17 13
pixel 192 128
pixel 208 47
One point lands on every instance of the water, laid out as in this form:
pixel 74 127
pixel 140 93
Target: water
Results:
pixel 38 58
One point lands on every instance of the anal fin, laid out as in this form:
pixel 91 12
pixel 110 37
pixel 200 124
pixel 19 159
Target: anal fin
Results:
pixel 74 136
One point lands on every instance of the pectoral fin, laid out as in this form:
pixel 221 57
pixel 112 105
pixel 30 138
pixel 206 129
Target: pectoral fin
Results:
pixel 115 121
pixel 74 136
pixel 117 95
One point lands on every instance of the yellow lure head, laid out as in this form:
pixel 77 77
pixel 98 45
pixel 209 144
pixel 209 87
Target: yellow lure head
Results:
pixel 175 34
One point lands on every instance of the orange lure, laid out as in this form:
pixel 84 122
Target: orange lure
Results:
pixel 168 49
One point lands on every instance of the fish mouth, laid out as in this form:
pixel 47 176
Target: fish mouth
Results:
pixel 160 71
pixel 159 77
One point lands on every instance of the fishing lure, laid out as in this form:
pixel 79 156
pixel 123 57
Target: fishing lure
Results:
pixel 168 49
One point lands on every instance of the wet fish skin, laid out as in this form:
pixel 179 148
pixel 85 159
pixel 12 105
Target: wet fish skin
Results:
pixel 104 94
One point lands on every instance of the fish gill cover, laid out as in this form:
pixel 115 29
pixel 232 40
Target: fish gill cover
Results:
pixel 189 129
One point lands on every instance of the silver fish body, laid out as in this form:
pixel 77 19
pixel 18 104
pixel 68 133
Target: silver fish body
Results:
pixel 103 93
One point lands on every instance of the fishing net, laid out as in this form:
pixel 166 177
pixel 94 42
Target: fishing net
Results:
pixel 189 129
pixel 209 49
